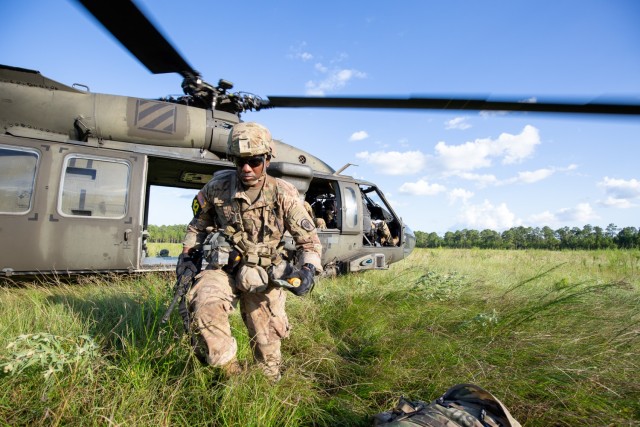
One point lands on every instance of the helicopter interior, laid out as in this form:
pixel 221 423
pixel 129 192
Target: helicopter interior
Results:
pixel 380 227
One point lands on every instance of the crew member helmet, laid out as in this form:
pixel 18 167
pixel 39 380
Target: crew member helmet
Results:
pixel 249 139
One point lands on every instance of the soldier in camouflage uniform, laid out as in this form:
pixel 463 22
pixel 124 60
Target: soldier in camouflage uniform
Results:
pixel 259 208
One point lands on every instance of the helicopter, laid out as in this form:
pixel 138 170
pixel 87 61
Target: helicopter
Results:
pixel 74 163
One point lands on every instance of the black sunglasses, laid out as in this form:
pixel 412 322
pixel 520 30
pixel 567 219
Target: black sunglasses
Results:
pixel 254 161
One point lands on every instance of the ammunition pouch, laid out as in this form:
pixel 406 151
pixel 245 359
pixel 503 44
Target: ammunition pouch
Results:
pixel 252 279
pixel 216 250
pixel 229 249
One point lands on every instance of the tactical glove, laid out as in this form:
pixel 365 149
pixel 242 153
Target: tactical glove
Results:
pixel 186 265
pixel 306 275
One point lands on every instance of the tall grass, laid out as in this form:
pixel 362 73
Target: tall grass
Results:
pixel 554 335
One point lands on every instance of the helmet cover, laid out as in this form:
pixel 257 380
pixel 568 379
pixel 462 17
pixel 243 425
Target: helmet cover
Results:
pixel 249 139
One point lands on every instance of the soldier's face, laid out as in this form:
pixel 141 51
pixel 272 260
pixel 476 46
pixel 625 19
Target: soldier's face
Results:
pixel 250 169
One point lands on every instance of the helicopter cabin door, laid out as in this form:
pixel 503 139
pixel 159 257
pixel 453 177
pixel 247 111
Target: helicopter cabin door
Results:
pixel 68 208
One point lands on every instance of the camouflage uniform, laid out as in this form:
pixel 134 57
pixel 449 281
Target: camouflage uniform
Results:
pixel 223 202
pixel 383 233
pixel 319 222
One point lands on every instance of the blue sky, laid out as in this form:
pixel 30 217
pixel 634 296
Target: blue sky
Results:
pixel 441 170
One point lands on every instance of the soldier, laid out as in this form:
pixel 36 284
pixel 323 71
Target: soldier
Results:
pixel 254 210
pixel 383 233
pixel 319 222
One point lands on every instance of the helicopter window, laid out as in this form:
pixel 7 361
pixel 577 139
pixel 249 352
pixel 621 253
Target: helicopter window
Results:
pixel 94 187
pixel 321 197
pixel 381 227
pixel 351 207
pixel 17 179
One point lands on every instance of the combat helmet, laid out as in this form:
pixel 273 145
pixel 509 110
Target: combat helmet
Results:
pixel 249 139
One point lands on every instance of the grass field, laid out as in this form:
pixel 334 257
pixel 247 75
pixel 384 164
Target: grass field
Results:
pixel 554 335
pixel 153 249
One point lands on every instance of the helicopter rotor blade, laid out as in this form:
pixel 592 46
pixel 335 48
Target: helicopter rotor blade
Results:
pixel 138 35
pixel 471 104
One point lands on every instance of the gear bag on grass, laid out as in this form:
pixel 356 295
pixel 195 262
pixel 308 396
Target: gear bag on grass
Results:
pixel 463 405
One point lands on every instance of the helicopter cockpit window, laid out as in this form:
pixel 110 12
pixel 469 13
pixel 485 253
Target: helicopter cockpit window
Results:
pixel 351 207
pixel 94 187
pixel 381 227
pixel 17 179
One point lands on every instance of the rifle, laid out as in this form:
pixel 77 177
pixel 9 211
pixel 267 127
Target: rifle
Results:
pixel 180 289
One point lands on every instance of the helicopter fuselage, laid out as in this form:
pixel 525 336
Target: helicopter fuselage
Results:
pixel 77 169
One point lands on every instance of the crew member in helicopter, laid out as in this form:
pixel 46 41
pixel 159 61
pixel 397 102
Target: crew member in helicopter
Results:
pixel 257 209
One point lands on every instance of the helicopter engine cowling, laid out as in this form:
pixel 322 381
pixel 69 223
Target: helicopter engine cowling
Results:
pixel 37 107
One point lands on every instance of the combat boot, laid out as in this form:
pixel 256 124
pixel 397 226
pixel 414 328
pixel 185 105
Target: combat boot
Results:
pixel 268 358
pixel 232 368
pixel 271 371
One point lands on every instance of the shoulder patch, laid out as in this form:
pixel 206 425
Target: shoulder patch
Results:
pixel 199 204
pixel 307 225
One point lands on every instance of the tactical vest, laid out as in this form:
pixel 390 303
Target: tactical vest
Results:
pixel 463 405
pixel 267 250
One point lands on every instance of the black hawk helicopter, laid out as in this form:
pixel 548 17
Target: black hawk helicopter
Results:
pixel 76 167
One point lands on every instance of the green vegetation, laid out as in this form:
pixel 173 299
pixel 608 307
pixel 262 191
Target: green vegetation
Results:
pixel 554 335
pixel 588 237
pixel 153 249
pixel 166 233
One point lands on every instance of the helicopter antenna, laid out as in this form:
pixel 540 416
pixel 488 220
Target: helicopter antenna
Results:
pixel 339 171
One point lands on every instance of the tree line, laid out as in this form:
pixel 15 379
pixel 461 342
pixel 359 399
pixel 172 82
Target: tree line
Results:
pixel 587 237
pixel 166 233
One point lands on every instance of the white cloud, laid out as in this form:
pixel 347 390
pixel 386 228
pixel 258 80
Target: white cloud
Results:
pixel 359 135
pixel 582 213
pixel 299 52
pixel 620 188
pixel 529 177
pixel 421 188
pixel 457 123
pixel 395 162
pixel 518 147
pixel 481 180
pixel 620 193
pixel 333 80
pixel 486 215
pixel 612 202
pixel 490 113
pixel 543 218
pixel 459 194
pixel 534 176
pixel 479 153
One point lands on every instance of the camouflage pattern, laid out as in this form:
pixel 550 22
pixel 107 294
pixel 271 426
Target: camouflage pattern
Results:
pixel 319 222
pixel 214 297
pixel 383 234
pixel 249 139
pixel 463 405
pixel 275 211
pixel 223 202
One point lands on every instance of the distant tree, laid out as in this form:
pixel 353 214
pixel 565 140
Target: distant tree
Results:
pixel 166 233
pixel 490 239
pixel 449 239
pixel 611 231
pixel 434 241
pixel 550 238
pixel 627 238
pixel 421 239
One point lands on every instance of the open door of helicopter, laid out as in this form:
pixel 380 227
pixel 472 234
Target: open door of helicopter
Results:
pixel 353 216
